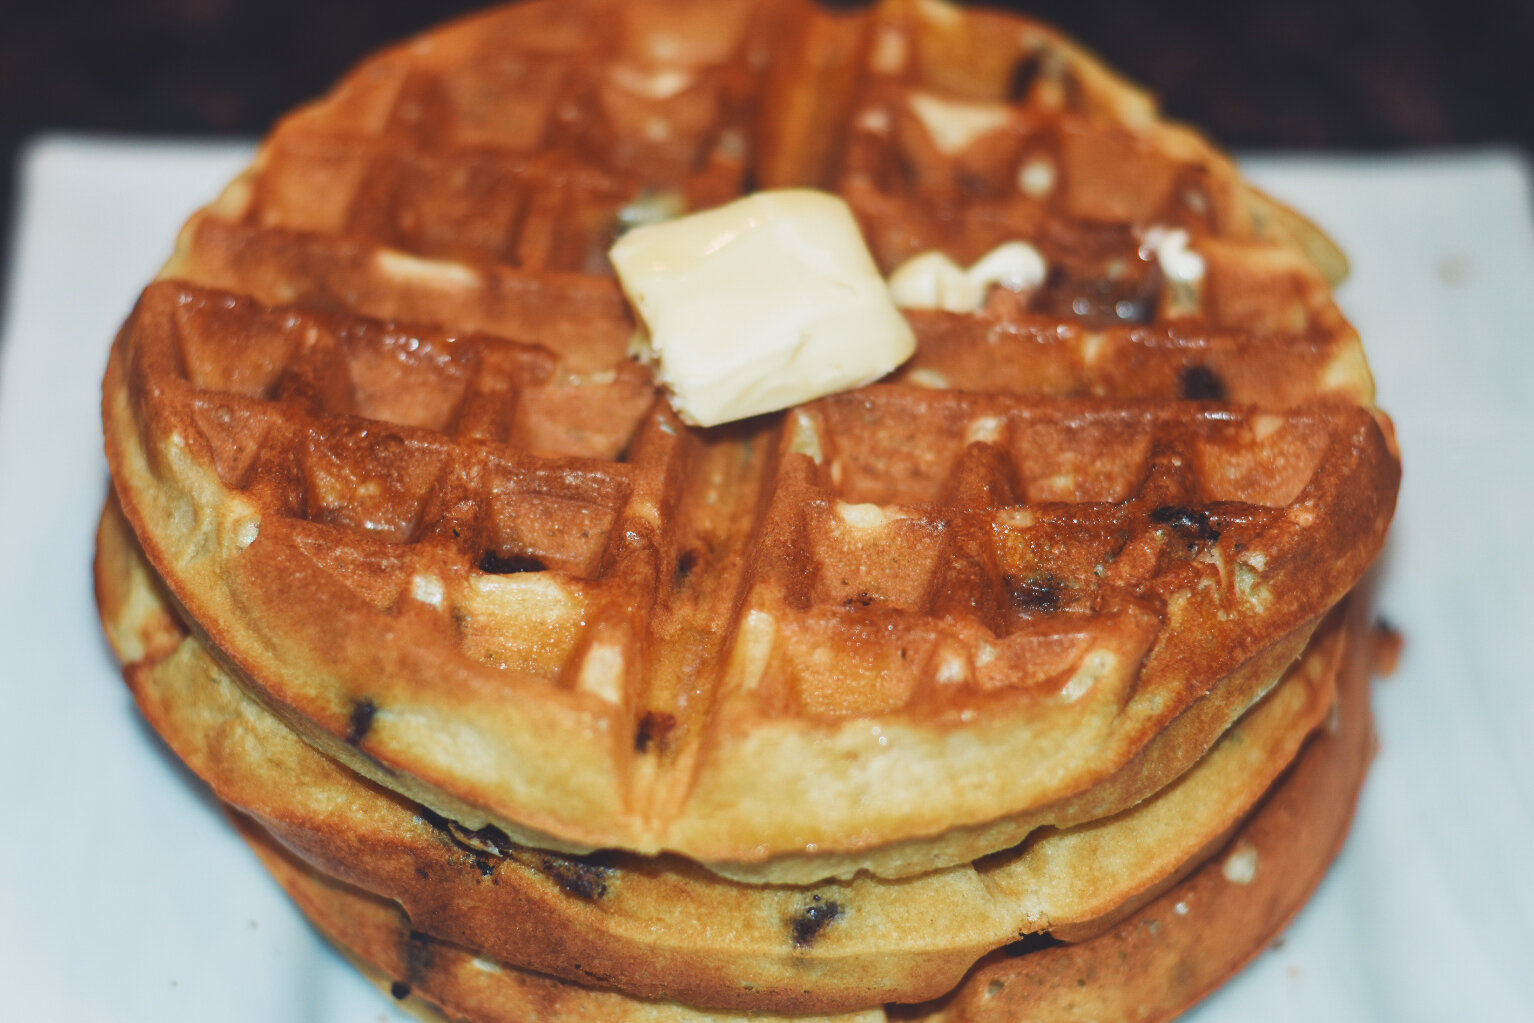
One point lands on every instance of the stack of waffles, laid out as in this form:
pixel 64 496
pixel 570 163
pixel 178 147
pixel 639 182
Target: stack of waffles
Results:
pixel 1026 682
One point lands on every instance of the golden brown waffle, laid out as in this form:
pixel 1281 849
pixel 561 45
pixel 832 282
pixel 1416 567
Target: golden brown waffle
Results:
pixel 666 929
pixel 378 432
pixel 1148 967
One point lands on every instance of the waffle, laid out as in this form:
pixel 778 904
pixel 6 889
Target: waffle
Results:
pixel 668 929
pixel 1213 919
pixel 813 712
pixel 430 431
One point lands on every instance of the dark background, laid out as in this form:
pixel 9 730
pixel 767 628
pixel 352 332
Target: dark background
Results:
pixel 1374 75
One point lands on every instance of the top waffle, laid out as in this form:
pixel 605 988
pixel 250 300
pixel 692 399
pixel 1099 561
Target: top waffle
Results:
pixel 377 428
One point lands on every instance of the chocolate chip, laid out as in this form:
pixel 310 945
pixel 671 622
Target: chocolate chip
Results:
pixel 361 720
pixel 400 990
pixel 654 730
pixel 582 877
pixel 812 919
pixel 496 563
pixel 1200 383
pixel 1190 523
pixel 684 566
pixel 1037 593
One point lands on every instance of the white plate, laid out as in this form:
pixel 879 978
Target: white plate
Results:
pixel 125 897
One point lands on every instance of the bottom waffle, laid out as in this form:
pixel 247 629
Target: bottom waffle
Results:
pixel 342 825
pixel 1149 966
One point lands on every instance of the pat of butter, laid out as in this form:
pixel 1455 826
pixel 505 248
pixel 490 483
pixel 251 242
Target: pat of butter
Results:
pixel 761 304
pixel 931 280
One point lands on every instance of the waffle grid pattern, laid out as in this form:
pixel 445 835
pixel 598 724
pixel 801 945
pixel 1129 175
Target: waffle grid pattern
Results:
pixel 429 403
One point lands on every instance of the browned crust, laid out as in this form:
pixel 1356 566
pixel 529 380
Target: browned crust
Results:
pixel 643 926
pixel 1149 968
pixel 1190 940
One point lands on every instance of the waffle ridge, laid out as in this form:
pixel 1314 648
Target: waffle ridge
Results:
pixel 430 428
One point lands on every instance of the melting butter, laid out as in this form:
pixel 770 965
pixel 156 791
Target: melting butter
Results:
pixel 761 304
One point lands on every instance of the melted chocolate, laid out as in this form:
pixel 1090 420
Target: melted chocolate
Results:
pixel 654 731
pixel 1190 523
pixel 582 877
pixel 812 919
pixel 1200 383
pixel 1038 593
pixel 361 721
